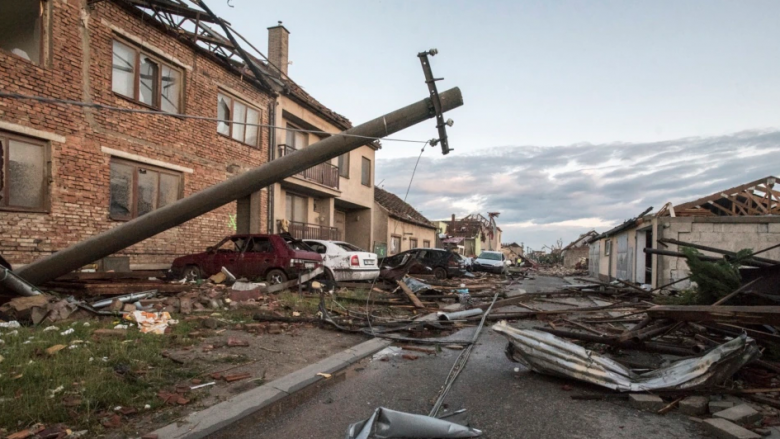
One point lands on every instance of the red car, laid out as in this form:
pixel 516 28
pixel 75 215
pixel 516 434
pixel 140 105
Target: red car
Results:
pixel 274 258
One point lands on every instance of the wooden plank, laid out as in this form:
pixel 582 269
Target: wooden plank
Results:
pixel 741 315
pixel 145 274
pixel 410 294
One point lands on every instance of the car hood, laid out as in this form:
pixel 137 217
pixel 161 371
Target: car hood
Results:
pixel 491 262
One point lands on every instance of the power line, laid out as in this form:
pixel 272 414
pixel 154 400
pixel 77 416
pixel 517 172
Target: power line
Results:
pixel 188 116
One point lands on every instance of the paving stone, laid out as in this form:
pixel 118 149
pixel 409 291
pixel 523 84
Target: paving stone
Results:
pixel 716 406
pixel 646 402
pixel 724 429
pixel 741 414
pixel 694 405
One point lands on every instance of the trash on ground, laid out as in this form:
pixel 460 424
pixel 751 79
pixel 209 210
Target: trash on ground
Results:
pixel 386 424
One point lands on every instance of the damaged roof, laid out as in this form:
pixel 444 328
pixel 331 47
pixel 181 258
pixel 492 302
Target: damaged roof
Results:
pixel 399 209
pixel 188 25
pixel 754 198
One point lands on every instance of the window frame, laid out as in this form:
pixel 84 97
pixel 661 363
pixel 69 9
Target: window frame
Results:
pixel 44 27
pixel 607 247
pixel 157 98
pixel 400 243
pixel 426 243
pixel 362 171
pixel 5 151
pixel 247 106
pixel 413 240
pixel 292 196
pixel 343 171
pixel 134 192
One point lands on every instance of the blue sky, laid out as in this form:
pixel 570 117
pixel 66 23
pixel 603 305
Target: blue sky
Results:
pixel 540 78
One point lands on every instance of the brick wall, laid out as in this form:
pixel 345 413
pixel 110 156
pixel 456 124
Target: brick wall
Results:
pixel 80 69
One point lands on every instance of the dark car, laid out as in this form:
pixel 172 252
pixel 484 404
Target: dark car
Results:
pixel 274 258
pixel 443 263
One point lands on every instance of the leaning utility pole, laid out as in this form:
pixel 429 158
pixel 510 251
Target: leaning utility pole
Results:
pixel 172 215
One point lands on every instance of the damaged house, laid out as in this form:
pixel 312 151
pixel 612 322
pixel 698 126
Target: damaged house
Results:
pixel 398 226
pixel 577 250
pixel 745 216
pixel 69 172
pixel 474 232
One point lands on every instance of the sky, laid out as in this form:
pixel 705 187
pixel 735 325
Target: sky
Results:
pixel 577 115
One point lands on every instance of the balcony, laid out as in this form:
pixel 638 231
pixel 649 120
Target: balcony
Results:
pixel 325 174
pixel 313 231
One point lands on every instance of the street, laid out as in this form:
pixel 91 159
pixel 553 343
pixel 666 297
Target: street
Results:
pixel 499 401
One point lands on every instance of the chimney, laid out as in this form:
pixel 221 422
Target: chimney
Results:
pixel 278 37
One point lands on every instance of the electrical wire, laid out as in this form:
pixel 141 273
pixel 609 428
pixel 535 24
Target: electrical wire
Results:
pixel 368 297
pixel 189 116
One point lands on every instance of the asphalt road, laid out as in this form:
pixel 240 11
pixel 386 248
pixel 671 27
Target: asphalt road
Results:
pixel 501 400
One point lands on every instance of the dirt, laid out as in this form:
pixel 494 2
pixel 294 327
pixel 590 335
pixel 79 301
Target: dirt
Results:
pixel 266 358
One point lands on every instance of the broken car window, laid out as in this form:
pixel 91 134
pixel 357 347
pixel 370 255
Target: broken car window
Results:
pixel 349 247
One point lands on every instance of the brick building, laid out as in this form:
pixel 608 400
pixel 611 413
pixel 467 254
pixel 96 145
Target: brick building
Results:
pixel 69 172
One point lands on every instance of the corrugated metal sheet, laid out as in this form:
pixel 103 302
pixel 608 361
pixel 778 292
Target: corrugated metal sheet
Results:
pixel 625 258
pixel 545 353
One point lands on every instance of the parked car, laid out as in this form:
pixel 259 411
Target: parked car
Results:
pixel 490 262
pixel 344 261
pixel 274 258
pixel 443 263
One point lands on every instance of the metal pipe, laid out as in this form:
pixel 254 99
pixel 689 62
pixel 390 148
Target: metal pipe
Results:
pixel 172 215
pixel 714 250
pixel 124 299
pixel 11 282
pixel 747 262
pixel 460 315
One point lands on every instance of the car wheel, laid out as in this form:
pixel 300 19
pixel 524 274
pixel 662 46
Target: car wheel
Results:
pixel 440 273
pixel 275 277
pixel 192 272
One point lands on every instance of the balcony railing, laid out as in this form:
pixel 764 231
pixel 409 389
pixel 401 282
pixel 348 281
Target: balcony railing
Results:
pixel 325 174
pixel 313 231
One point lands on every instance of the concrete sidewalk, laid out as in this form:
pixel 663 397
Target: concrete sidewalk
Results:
pixel 200 424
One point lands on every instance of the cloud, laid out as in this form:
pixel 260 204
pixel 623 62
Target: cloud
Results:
pixel 546 193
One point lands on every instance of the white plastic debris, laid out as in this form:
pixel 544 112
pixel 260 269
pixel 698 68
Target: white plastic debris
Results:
pixel 390 351
pixel 68 331
pixel 86 323
pixel 50 328
pixel 120 327
pixel 53 392
pixel 11 324
pixel 147 407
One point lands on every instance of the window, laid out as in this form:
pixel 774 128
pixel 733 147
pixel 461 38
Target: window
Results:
pixel 395 244
pixel 344 165
pixel 607 247
pixel 296 139
pixel 296 207
pixel 21 28
pixel 24 173
pixel 145 79
pixel 260 245
pixel 137 189
pixel 426 244
pixel 412 242
pixel 229 108
pixel 366 175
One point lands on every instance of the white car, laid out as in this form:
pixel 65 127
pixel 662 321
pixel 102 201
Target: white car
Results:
pixel 490 261
pixel 344 261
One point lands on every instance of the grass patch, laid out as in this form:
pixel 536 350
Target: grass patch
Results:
pixel 305 305
pixel 75 385
pixel 684 297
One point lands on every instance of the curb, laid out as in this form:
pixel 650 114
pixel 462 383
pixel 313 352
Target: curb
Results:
pixel 200 424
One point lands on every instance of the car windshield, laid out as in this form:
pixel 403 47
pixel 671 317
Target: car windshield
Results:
pixel 493 256
pixel 349 247
pixel 298 245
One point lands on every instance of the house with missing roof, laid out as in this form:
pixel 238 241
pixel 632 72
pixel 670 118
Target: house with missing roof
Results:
pixel 398 226
pixel 745 216
pixel 67 173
